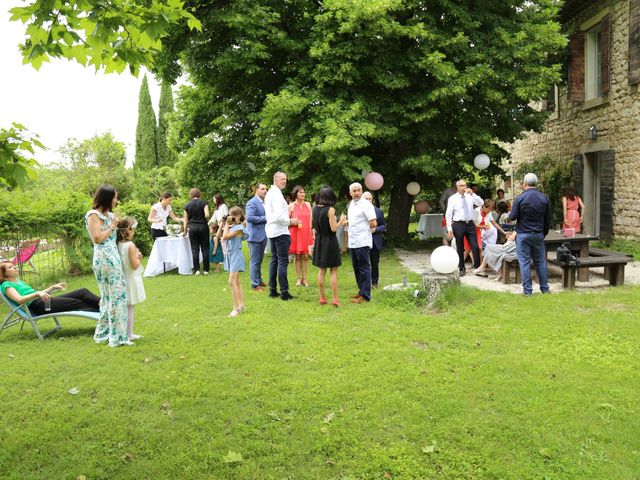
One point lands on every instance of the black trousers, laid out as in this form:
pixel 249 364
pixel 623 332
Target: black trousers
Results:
pixel 374 255
pixel 461 230
pixel 199 239
pixel 81 299
pixel 155 233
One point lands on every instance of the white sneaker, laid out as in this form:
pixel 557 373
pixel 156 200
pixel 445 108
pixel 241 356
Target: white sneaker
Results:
pixel 197 273
pixel 206 273
pixel 234 313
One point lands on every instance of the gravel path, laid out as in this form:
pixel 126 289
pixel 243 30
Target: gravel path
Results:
pixel 419 261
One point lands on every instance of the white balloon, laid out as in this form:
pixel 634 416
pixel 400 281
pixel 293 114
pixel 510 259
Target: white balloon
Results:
pixel 413 188
pixel 444 259
pixel 481 161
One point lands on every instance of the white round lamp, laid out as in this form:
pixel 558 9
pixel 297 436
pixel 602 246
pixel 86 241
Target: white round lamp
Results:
pixel 413 188
pixel 481 161
pixel 444 260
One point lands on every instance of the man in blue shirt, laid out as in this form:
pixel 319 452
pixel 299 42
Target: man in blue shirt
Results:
pixel 532 210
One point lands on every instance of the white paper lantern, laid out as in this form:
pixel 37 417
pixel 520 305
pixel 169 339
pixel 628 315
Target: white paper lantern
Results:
pixel 444 259
pixel 374 181
pixel 413 188
pixel 481 161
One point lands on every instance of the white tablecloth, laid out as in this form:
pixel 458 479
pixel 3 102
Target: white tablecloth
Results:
pixel 430 225
pixel 169 253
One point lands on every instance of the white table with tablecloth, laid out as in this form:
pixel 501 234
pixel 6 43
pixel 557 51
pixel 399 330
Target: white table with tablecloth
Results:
pixel 430 225
pixel 169 253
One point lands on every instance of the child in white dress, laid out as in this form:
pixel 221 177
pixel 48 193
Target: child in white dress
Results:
pixel 133 269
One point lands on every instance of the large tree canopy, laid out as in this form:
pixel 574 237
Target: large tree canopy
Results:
pixel 323 90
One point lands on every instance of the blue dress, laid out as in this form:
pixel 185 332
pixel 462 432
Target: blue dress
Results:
pixel 234 259
pixel 219 255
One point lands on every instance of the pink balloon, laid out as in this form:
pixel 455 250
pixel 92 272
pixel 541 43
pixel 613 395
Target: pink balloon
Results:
pixel 374 181
pixel 421 207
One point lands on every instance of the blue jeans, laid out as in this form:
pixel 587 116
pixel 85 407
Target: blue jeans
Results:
pixel 362 269
pixel 279 263
pixel 256 254
pixel 530 246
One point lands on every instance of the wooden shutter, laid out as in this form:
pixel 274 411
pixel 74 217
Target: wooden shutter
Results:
pixel 634 42
pixel 607 160
pixel 576 67
pixel 605 42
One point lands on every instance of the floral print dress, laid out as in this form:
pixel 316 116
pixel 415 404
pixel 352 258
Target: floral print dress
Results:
pixel 107 266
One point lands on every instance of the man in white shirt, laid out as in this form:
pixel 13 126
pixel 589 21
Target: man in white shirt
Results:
pixel 362 222
pixel 460 223
pixel 277 228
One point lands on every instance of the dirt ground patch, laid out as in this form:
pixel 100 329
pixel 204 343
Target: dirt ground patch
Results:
pixel 419 261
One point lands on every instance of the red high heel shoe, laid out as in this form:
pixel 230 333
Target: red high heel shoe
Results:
pixel 335 303
pixel 323 301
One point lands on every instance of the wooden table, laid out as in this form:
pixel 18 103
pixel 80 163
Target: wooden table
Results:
pixel 579 243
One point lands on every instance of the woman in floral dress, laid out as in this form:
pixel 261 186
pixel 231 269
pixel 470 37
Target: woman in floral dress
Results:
pixel 102 227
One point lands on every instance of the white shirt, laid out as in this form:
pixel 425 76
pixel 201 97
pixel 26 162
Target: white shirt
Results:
pixel 276 210
pixel 360 214
pixel 456 208
pixel 161 215
pixel 221 212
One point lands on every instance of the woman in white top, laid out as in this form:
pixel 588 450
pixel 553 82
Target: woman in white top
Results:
pixel 221 210
pixel 158 216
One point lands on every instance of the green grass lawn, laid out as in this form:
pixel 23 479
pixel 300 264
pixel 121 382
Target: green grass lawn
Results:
pixel 494 386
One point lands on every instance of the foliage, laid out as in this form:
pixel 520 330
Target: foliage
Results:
pixel 553 175
pixel 16 146
pixel 209 167
pixel 148 185
pixel 146 155
pixel 324 90
pixel 496 389
pixel 50 214
pixel 140 212
pixel 109 34
pixel 165 155
pixel 90 163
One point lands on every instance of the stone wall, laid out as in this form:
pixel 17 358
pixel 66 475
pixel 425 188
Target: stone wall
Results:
pixel 618 123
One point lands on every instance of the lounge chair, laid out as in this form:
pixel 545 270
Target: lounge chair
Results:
pixel 21 313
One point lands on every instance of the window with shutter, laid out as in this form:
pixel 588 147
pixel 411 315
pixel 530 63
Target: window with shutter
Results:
pixel 576 67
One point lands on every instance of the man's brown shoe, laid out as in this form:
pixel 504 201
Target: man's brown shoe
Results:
pixel 358 300
pixel 355 296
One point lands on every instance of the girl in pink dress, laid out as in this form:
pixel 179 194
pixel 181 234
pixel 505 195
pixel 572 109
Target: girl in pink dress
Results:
pixel 572 209
pixel 301 236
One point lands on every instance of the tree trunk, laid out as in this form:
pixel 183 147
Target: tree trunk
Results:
pixel 399 208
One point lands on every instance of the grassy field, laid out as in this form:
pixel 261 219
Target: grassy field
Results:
pixel 492 386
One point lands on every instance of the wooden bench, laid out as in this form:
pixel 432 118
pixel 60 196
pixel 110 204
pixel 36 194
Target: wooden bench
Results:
pixel 614 269
pixel 510 264
pixel 600 252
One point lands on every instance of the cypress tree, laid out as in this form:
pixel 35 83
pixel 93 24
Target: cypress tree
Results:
pixel 166 156
pixel 146 157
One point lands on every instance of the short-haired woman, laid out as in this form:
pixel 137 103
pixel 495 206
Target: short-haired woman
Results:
pixel 102 225
pixel 158 215
pixel 196 215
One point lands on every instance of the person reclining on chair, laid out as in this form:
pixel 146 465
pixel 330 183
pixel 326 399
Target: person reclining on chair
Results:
pixel 19 292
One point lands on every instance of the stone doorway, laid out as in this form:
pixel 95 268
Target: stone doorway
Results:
pixel 594 174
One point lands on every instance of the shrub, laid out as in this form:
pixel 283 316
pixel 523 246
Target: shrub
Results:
pixel 140 212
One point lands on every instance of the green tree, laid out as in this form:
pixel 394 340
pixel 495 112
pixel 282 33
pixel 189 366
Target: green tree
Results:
pixel 326 90
pixel 90 163
pixel 166 156
pixel 146 155
pixel 16 148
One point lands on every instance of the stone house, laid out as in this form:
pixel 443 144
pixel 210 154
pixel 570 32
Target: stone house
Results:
pixel 595 117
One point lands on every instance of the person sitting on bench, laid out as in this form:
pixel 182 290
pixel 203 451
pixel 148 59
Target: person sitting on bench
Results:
pixel 494 256
pixel 41 302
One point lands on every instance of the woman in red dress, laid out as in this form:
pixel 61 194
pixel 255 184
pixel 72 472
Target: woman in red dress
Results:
pixel 301 236
pixel 572 208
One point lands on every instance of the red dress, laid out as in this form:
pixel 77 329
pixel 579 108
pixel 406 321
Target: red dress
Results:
pixel 300 234
pixel 572 219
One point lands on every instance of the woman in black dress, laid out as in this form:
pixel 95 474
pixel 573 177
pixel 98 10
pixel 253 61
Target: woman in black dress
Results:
pixel 196 216
pixel 326 252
